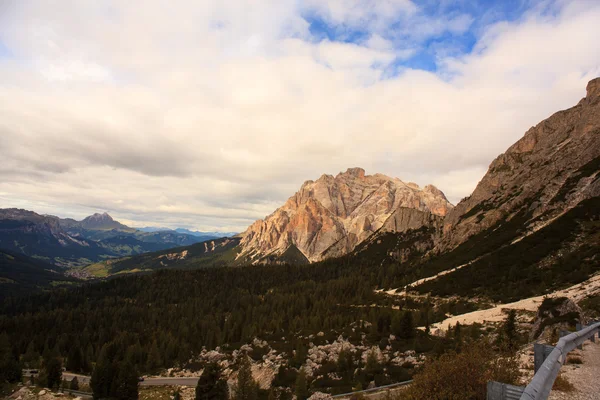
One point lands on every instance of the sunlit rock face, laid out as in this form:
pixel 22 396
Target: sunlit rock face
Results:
pixel 330 216
pixel 555 166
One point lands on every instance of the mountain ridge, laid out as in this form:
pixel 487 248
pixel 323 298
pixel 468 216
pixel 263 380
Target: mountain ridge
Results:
pixel 330 216
pixel 70 243
pixel 563 151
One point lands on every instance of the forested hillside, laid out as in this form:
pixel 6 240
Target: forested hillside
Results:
pixel 162 320
pixel 20 274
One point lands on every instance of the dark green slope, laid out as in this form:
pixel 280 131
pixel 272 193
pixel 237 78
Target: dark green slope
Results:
pixel 563 253
pixel 20 274
pixel 211 253
pixel 291 256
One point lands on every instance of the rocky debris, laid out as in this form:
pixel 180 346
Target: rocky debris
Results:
pixel 264 373
pixel 188 393
pixel 550 170
pixel 319 355
pixel 330 216
pixel 175 256
pixel 30 393
pixel 212 246
pixel 320 396
pixel 409 357
pixel 265 370
pixel 329 352
pixel 555 314
pixel 380 355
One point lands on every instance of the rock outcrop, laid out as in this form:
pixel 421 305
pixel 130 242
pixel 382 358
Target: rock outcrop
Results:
pixel 330 216
pixel 551 169
pixel 553 315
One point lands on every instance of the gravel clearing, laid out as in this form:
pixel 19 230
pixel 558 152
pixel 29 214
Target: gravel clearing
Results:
pixel 496 314
pixel 585 377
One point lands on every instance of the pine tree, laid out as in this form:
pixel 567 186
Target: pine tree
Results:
pixel 126 387
pixel 345 364
pixel 10 370
pixel 509 330
pixel 211 384
pixel 458 336
pixel 75 359
pixel 396 326
pixel 74 385
pixel 103 374
pixel 299 355
pixel 246 388
pixel 372 367
pixel 301 387
pixel 31 358
pixel 53 372
pixel 154 359
pixel 407 329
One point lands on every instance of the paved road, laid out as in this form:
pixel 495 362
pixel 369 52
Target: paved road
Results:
pixel 170 381
pixel 80 378
pixel 191 381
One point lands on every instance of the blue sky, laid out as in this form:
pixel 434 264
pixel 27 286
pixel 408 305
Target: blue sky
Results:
pixel 210 114
pixel 429 49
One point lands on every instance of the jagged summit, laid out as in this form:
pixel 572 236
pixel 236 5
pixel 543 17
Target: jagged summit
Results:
pixel 330 216
pixel 102 221
pixel 593 89
pixel 99 217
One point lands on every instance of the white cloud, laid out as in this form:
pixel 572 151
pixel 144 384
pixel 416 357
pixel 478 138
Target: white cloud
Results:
pixel 210 114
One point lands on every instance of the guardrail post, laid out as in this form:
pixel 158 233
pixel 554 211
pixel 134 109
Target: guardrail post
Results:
pixel 578 327
pixel 503 391
pixel 540 353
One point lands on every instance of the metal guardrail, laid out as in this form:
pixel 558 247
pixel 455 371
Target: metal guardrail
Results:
pixel 79 393
pixel 503 391
pixel 547 363
pixel 375 389
pixel 540 386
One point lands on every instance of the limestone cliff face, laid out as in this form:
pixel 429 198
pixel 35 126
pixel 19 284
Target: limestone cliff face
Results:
pixel 552 168
pixel 330 216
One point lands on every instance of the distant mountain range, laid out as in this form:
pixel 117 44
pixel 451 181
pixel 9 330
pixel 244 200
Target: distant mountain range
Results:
pixel 204 235
pixel 70 243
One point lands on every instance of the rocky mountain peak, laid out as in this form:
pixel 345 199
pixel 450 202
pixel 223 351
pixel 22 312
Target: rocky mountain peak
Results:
pixel 100 217
pixel 102 221
pixel 551 169
pixel 355 172
pixel 330 216
pixel 593 89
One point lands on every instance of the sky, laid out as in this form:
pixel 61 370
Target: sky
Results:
pixel 210 114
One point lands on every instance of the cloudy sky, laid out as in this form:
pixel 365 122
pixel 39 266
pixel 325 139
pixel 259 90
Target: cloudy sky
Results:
pixel 209 114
